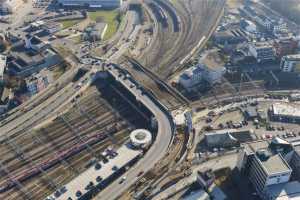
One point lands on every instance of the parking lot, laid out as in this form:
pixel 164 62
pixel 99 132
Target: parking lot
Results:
pixel 234 118
pixel 41 3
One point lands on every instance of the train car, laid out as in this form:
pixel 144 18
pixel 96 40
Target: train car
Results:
pixel 29 173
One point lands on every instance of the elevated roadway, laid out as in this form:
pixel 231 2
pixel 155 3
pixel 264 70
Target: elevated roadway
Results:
pixel 158 149
pixel 38 112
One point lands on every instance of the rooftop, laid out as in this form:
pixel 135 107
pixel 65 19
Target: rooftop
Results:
pixel 286 109
pixel 2 64
pixel 253 147
pixel 274 164
pixel 262 45
pixel 271 161
pixel 292 57
pixel 124 155
pixel 196 195
pixel 241 135
pixel 251 111
pixel 285 191
pixel 191 71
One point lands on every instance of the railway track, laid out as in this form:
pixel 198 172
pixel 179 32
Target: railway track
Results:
pixel 56 141
pixel 200 20
pixel 166 33
pixel 160 85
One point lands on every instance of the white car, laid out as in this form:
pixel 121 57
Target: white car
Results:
pixel 122 180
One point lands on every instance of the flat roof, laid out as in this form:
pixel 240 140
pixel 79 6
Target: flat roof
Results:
pixel 295 57
pixel 262 45
pixel 251 111
pixel 272 163
pixel 229 130
pixel 286 109
pixel 2 64
pixel 196 195
pixel 275 164
pixel 253 147
pixel 285 191
pixel 216 192
pixel 124 156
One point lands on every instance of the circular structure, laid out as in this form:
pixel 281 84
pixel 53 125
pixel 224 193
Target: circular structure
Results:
pixel 141 138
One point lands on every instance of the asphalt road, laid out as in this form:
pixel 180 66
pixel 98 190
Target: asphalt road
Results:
pixel 41 111
pixel 154 154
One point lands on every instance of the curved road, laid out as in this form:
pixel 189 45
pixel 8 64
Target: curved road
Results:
pixel 158 148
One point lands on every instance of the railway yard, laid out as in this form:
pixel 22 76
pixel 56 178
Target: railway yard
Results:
pixel 179 30
pixel 90 125
pixel 111 88
pixel 45 157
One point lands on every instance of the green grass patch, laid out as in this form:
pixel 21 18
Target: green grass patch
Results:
pixel 69 23
pixel 113 19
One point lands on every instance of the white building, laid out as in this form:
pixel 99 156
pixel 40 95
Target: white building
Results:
pixel 265 166
pixel 199 73
pixel 251 27
pixel 289 62
pixel 215 75
pixel 197 195
pixel 140 138
pixel 262 51
pixel 192 77
pixel 6 7
pixel 92 3
pixel 2 66
pixel 285 112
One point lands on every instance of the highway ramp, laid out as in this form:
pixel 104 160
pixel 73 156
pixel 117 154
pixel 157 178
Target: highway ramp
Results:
pixel 158 149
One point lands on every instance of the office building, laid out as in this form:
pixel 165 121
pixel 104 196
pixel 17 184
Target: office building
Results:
pixel 205 178
pixel 192 77
pixel 265 163
pixel 285 112
pixel 284 47
pixel 197 75
pixel 233 36
pixel 262 51
pixel 31 56
pixel 2 66
pixel 283 191
pixel 228 138
pixel 5 7
pixel 196 195
pixel 290 62
pixel 295 161
pixel 38 82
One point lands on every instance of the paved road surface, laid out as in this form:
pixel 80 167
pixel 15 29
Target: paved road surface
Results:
pixel 154 154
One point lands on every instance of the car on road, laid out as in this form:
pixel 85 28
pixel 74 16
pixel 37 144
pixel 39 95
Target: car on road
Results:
pixel 211 113
pixel 122 180
pixel 208 120
pixel 140 173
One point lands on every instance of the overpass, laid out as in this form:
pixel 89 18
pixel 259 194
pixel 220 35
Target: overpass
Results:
pixel 159 148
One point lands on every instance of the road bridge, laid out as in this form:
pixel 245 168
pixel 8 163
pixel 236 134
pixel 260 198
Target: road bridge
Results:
pixel 159 148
